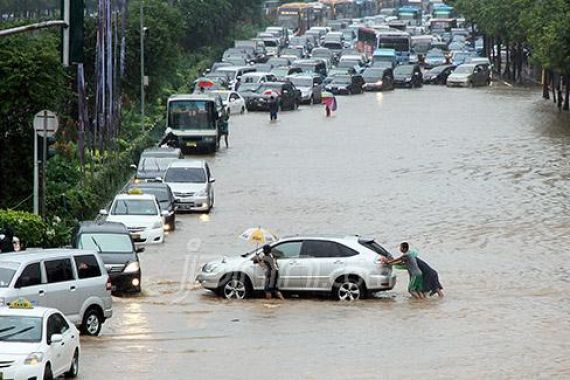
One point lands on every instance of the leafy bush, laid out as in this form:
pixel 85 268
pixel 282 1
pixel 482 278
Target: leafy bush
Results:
pixel 30 228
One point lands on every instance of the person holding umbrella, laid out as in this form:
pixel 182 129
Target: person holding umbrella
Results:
pixel 329 101
pixel 273 107
pixel 271 273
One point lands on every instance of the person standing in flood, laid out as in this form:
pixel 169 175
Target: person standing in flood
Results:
pixel 431 284
pixel 409 260
pixel 273 108
pixel 271 273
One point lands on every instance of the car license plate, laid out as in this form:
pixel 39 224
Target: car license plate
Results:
pixel 191 144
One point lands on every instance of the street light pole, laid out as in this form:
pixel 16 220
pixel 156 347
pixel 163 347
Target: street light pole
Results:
pixel 142 30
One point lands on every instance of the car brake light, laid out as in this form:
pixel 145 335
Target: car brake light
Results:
pixel 109 285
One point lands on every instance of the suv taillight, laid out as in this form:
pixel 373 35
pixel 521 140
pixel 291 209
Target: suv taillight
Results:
pixel 109 285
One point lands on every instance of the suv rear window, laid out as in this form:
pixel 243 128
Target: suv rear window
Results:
pixel 59 270
pixel 322 248
pixel 374 246
pixel 87 266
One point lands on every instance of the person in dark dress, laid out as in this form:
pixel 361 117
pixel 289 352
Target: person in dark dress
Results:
pixel 6 240
pixel 431 284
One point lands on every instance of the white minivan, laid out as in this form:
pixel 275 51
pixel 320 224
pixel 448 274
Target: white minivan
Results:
pixel 73 281
pixel 192 184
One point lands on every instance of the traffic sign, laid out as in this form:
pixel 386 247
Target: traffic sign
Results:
pixel 46 123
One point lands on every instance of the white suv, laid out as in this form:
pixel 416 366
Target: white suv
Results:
pixel 346 267
pixel 141 214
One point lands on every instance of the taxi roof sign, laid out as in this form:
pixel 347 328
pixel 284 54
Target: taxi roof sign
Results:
pixel 135 191
pixel 21 303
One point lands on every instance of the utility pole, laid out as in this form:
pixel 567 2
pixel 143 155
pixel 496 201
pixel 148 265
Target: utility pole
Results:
pixel 142 30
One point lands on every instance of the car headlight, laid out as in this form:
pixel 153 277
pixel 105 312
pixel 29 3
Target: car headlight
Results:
pixel 2 301
pixel 211 268
pixel 157 224
pixel 209 139
pixel 132 267
pixel 202 193
pixel 379 83
pixel 408 79
pixel 34 358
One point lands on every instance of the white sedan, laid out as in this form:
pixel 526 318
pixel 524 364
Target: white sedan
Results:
pixel 233 101
pixel 38 343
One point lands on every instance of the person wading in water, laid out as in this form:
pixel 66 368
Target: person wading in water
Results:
pixel 271 273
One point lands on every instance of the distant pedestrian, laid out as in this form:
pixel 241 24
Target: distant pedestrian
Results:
pixel 271 273
pixel 409 260
pixel 6 240
pixel 224 128
pixel 273 108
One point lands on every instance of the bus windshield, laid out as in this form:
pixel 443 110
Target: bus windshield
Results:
pixel 191 114
pixel 396 43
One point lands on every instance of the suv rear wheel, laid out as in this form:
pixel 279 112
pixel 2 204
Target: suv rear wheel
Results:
pixel 348 288
pixel 92 322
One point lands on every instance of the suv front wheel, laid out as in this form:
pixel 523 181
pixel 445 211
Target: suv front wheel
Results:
pixel 92 322
pixel 235 286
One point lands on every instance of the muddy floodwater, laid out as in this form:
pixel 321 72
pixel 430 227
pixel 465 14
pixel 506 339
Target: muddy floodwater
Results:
pixel 477 179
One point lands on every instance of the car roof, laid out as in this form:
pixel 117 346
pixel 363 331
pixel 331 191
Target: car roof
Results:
pixel 332 237
pixel 199 97
pixel 102 226
pixel 34 254
pixel 135 196
pixel 188 163
pixel 37 311
pixel 148 185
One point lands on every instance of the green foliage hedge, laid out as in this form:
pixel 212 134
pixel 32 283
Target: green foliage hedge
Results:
pixel 30 228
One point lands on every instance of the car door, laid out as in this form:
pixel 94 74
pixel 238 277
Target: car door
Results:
pixel 30 285
pixel 325 260
pixel 90 281
pixel 57 350
pixel 293 269
pixel 62 286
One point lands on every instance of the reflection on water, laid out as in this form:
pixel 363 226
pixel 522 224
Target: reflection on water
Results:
pixel 477 179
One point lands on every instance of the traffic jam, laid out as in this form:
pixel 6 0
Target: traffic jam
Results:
pixel 312 54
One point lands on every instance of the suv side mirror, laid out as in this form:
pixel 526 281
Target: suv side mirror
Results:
pixel 212 180
pixel 103 212
pixel 55 338
pixel 133 166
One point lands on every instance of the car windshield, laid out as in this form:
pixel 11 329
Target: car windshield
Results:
pixel 373 73
pixel 434 54
pixel 161 193
pixel 106 243
pixel 437 69
pixel 333 45
pixel 463 70
pixel 278 72
pixel 134 207
pixel 6 276
pixel 249 87
pixel 404 70
pixel 155 163
pixel 20 329
pixel 347 64
pixel 342 80
pixel 270 43
pixel 302 82
pixel 191 175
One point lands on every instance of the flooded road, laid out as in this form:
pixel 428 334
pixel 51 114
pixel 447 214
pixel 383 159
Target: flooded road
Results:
pixel 476 179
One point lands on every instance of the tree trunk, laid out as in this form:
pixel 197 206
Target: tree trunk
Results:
pixel 545 82
pixel 508 60
pixel 498 56
pixel 567 98
pixel 553 85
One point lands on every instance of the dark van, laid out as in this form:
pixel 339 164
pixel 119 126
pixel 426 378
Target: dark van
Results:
pixel 113 243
